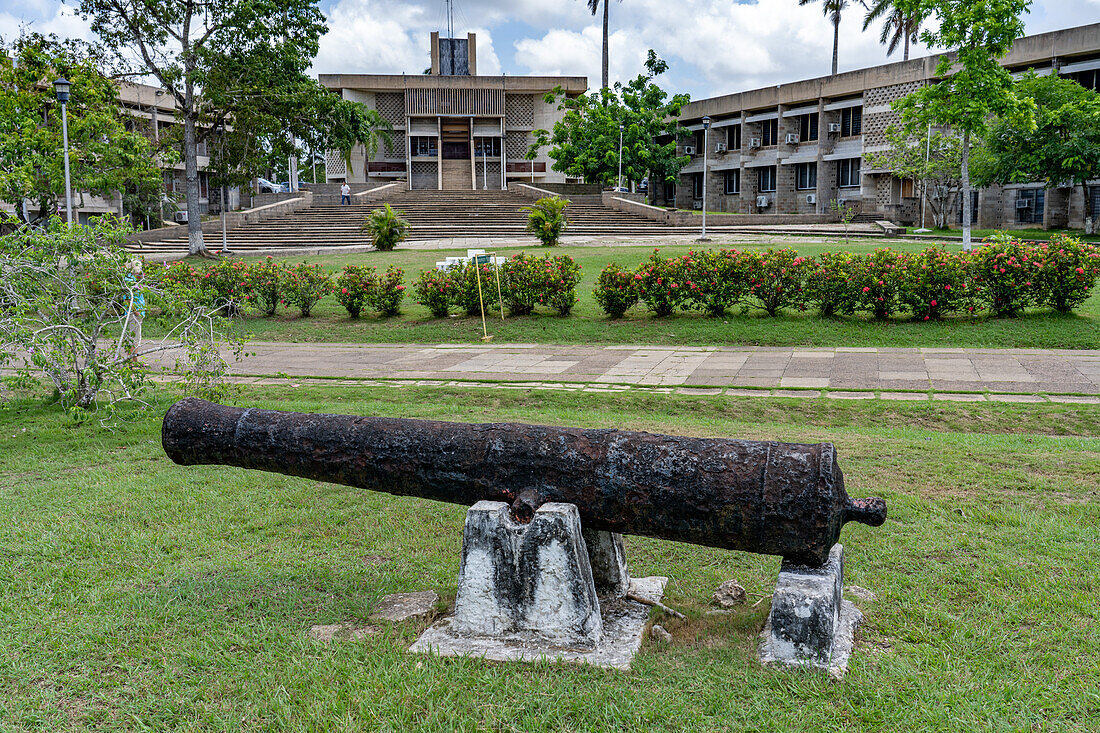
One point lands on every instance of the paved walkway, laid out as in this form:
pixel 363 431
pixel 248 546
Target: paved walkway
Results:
pixel 1027 374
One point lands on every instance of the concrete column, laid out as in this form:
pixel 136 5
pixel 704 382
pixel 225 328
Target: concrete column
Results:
pixel 439 153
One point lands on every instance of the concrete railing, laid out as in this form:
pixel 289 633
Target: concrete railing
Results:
pixel 618 201
pixel 381 192
pixel 531 192
pixel 233 219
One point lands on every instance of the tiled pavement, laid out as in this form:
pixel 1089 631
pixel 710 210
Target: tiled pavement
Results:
pixel 835 372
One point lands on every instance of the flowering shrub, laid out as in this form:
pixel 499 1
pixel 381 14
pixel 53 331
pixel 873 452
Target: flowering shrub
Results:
pixel 435 290
pixel 263 282
pixel 522 283
pixel 877 278
pixel 303 285
pixel 660 283
pixel 227 283
pixel 615 290
pixel 560 277
pixel 387 291
pixel 1004 270
pixel 178 276
pixel 354 287
pixel 829 283
pixel 1068 274
pixel 715 280
pixel 935 282
pixel 465 278
pixel 775 279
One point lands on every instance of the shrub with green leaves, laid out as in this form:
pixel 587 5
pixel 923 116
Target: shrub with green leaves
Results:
pixel 1070 269
pixel 878 280
pixel 935 282
pixel 829 285
pixel 775 279
pixel 546 219
pixel 466 286
pixel 560 277
pixel 435 290
pixel 264 282
pixel 227 282
pixel 388 290
pixel 1004 271
pixel 615 290
pixel 715 280
pixel 354 287
pixel 660 284
pixel 303 285
pixel 385 227
pixel 522 280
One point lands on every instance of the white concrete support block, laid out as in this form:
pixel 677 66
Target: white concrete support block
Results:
pixel 810 624
pixel 530 579
pixel 607 556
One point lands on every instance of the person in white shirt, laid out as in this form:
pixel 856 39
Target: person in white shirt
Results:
pixel 345 195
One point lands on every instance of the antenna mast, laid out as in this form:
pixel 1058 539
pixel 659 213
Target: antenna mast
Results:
pixel 450 19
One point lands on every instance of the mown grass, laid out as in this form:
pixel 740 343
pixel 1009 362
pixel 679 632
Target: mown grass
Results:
pixel 588 325
pixel 1030 235
pixel 138 595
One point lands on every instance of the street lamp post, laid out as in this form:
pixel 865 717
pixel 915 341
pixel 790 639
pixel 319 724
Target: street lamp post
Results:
pixel 706 142
pixel 619 185
pixel 61 88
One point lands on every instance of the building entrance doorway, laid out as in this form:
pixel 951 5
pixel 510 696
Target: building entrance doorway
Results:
pixel 456 140
pixel 457 169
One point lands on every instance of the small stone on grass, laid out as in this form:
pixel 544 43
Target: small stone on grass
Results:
pixel 861 593
pixel 347 630
pixel 661 634
pixel 729 595
pixel 403 606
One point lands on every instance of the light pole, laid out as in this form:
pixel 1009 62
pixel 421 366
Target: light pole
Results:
pixel 61 89
pixel 706 141
pixel 619 186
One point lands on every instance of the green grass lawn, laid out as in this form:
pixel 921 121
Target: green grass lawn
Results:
pixel 588 325
pixel 1027 234
pixel 138 595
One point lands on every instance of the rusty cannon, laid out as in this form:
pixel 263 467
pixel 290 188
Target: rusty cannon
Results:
pixel 773 498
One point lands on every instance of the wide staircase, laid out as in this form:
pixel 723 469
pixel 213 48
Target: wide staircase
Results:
pixel 431 215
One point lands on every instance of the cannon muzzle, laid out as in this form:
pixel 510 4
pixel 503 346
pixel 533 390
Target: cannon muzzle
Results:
pixel 767 497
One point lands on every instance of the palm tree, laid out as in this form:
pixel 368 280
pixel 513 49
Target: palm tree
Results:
pixel 899 27
pixel 832 10
pixel 594 6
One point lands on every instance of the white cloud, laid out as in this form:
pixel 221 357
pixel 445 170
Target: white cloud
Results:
pixel 42 16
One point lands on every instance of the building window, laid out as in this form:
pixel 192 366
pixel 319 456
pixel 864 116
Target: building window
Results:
pixel 697 185
pixel 807 127
pixel 806 176
pixel 733 182
pixel 670 191
pixel 851 121
pixel 766 178
pixel 973 208
pixel 423 147
pixel 769 132
pixel 847 173
pixel 487 147
pixel 1088 79
pixel 907 188
pixel 733 137
pixel 1029 205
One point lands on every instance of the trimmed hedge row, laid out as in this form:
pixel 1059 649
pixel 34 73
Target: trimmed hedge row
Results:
pixel 1003 277
pixel 525 283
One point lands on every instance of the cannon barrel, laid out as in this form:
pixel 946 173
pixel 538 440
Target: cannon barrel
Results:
pixel 774 498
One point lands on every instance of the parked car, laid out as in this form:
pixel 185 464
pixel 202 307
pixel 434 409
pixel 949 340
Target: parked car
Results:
pixel 267 186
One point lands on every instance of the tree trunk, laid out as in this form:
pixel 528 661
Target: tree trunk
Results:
pixel 606 83
pixel 836 41
pixel 966 189
pixel 905 52
pixel 195 244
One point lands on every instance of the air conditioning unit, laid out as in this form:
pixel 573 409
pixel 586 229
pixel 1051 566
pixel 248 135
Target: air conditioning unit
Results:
pixel 834 128
pixel 754 142
pixel 792 139
pixel 811 198
pixel 720 148
pixel 689 150
pixel 697 205
pixel 762 202
pixel 1023 203
pixel 180 217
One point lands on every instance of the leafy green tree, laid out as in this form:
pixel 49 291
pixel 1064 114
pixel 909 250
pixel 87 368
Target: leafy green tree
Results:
pixel 105 157
pixel 237 72
pixel 901 21
pixel 1061 147
pixel 832 10
pixel 585 142
pixel 972 85
pixel 934 163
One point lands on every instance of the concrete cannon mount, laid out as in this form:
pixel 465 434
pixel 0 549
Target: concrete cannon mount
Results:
pixel 543 590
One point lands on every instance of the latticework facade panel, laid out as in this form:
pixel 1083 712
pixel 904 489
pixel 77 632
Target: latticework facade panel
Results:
pixel 520 110
pixel 391 105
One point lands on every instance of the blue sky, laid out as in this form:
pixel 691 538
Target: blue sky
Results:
pixel 712 46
